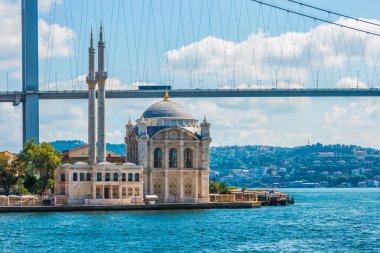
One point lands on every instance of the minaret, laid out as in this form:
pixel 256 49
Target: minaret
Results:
pixel 91 82
pixel 101 77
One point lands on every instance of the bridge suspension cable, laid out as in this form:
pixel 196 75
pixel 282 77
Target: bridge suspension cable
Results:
pixel 315 18
pixel 333 12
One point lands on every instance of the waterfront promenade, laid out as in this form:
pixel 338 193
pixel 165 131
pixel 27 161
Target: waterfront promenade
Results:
pixel 86 208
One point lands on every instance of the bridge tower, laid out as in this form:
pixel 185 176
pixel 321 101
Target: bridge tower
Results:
pixel 30 106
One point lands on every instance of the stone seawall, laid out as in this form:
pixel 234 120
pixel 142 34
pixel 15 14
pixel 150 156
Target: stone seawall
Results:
pixel 86 208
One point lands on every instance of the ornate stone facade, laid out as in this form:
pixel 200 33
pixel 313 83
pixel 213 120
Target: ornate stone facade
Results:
pixel 174 150
pixel 101 184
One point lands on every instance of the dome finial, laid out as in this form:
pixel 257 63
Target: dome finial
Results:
pixel 166 97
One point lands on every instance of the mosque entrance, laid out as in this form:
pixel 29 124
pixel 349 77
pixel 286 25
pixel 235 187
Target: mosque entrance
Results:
pixel 106 193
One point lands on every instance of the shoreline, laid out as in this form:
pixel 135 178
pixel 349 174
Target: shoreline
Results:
pixel 87 208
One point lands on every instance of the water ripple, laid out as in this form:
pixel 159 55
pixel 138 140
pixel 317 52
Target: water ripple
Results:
pixel 323 220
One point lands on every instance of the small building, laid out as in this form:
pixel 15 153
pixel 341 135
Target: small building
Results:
pixel 100 184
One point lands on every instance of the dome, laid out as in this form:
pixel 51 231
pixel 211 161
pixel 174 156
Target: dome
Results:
pixel 167 109
pixel 103 163
pixel 80 163
pixel 130 164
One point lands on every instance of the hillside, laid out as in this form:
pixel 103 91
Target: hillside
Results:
pixel 62 145
pixel 253 166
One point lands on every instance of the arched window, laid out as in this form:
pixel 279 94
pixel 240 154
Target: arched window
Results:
pixel 123 177
pixel 99 176
pixel 130 177
pixel 173 158
pixel 108 176
pixel 81 176
pixel 188 158
pixel 88 176
pixel 116 176
pixel 75 176
pixel 137 177
pixel 158 158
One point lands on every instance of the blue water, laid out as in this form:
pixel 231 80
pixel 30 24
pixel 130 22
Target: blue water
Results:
pixel 322 220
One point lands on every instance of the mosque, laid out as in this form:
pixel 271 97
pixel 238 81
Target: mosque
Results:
pixel 167 154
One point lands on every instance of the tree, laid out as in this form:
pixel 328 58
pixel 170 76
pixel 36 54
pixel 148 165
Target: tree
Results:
pixel 354 180
pixel 223 188
pixel 20 187
pixel 214 186
pixel 39 162
pixel 9 173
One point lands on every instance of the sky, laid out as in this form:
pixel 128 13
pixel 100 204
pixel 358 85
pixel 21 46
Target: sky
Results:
pixel 203 44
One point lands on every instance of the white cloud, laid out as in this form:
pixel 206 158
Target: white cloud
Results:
pixel 295 59
pixel 62 120
pixel 46 5
pixel 10 127
pixel 10 35
pixel 355 123
pixel 351 82
pixel 55 40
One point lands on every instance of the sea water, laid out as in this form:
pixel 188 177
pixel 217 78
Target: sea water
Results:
pixel 322 220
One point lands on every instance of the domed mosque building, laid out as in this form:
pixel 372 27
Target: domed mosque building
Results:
pixel 174 150
pixel 167 154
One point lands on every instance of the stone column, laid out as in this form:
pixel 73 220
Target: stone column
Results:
pixel 93 190
pixel 151 188
pixel 181 186
pixel 166 157
pixel 166 186
pixel 143 151
pixel 196 185
pixel 151 156
pixel 197 155
pixel 180 157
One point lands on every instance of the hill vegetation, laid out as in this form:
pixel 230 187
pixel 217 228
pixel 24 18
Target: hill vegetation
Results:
pixel 257 166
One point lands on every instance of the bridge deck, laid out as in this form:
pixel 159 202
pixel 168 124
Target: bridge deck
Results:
pixel 187 93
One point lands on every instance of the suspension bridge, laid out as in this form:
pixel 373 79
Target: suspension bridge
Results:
pixel 201 52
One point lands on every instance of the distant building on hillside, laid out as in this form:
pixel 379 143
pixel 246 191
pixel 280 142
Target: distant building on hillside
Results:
pixel 326 154
pixel 81 154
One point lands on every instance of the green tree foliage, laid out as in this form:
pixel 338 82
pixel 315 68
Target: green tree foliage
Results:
pixel 20 188
pixel 9 173
pixel 354 180
pixel 39 162
pixel 216 187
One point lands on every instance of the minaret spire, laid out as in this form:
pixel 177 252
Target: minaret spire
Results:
pixel 101 77
pixel 91 40
pixel 91 82
pixel 101 32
